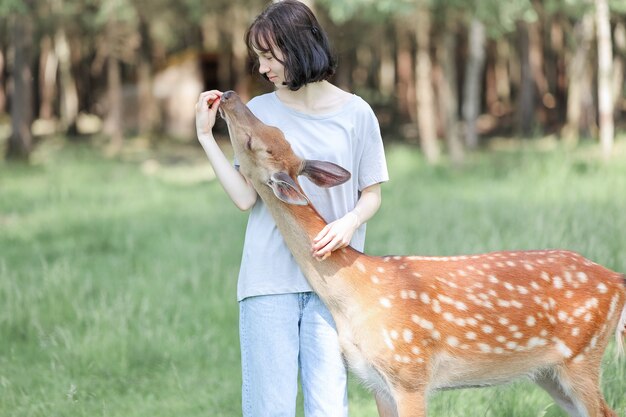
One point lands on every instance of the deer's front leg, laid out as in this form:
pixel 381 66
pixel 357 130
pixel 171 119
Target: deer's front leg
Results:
pixel 385 405
pixel 411 403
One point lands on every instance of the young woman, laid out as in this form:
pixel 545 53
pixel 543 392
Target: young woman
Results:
pixel 284 327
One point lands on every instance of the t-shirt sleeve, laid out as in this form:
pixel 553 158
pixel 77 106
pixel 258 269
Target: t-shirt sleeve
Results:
pixel 372 166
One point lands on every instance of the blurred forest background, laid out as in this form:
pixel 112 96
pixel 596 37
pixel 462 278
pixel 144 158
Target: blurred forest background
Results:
pixel 444 74
pixel 119 250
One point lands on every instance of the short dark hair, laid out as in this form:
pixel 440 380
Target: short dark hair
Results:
pixel 292 27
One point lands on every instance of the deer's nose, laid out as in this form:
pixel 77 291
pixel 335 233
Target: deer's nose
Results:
pixel 227 95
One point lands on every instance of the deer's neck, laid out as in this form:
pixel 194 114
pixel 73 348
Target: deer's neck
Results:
pixel 333 279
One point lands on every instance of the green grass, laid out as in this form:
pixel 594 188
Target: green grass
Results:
pixel 117 288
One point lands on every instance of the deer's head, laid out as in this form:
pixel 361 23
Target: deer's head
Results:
pixel 266 158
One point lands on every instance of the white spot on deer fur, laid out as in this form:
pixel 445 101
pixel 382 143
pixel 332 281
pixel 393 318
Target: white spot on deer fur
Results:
pixel 452 341
pixel 579 358
pixel 448 316
pixel 407 335
pixel 484 347
pixel 534 285
pixel 501 339
pixel 582 277
pixel 445 299
pixel 412 295
pixel 557 282
pixel 612 307
pixel 516 304
pixel 425 298
pixel 536 341
pixel 404 294
pixel 543 333
pixel 460 306
pixel 394 334
pixel 602 288
pixel 545 276
pixel 587 317
pixel 563 348
pixel 416 274
pixel 518 335
pixel 470 335
pixel 522 290
pixel 504 303
pixel 575 331
pixel 471 321
pixel 375 279
pixel 487 329
pixel 486 266
pixel 528 267
pixel 510 263
pixel 562 315
pixel 387 339
pixel 425 324
pixel 513 328
pixel 503 321
pixel 385 302
pixel 493 279
pixel 380 269
pixel 591 303
pixel 508 286
pixel 569 294
pixel 436 335
pixel 436 307
pixel 530 321
pixel 360 266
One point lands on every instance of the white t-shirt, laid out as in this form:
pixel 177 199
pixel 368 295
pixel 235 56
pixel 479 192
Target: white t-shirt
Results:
pixel 350 138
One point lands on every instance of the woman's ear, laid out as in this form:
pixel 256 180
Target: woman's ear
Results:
pixel 324 174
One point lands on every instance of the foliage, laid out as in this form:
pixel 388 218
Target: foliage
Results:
pixel 118 281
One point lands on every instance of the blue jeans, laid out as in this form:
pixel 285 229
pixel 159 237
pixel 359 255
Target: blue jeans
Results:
pixel 279 335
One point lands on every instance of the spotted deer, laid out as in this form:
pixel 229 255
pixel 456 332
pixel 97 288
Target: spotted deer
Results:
pixel 409 325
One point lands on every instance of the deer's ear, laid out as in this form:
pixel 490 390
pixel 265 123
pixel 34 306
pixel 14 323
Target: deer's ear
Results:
pixel 286 189
pixel 324 174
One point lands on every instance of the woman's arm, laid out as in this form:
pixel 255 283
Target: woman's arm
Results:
pixel 337 235
pixel 236 185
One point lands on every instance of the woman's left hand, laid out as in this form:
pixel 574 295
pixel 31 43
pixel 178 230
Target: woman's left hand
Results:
pixel 335 235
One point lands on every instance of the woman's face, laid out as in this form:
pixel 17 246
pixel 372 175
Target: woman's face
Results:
pixel 271 66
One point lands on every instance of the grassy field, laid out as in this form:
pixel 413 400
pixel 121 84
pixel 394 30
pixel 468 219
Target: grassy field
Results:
pixel 118 276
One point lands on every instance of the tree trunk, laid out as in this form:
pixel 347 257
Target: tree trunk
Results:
pixel 238 26
pixel 113 123
pixel 48 64
pixel 619 40
pixel 526 99
pixel 148 110
pixel 67 83
pixel 3 97
pixel 579 79
pixel 405 82
pixel 424 89
pixel 473 81
pixel 448 91
pixel 502 75
pixel 605 68
pixel 21 139
pixel 386 75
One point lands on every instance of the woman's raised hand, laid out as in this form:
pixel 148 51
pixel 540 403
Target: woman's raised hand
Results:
pixel 206 111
